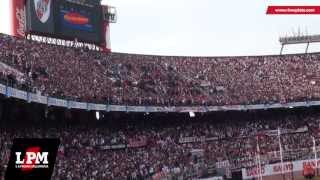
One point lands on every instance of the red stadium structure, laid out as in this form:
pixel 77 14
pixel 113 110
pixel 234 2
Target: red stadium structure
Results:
pixel 18 18
pixel 21 18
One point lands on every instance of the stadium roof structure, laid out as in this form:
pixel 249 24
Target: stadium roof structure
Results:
pixel 300 39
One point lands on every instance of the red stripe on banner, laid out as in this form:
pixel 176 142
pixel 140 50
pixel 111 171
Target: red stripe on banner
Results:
pixel 293 10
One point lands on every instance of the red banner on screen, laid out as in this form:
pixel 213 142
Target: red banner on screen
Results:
pixel 293 10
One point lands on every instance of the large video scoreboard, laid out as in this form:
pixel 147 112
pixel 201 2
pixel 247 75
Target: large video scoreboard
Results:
pixel 79 19
pixel 67 19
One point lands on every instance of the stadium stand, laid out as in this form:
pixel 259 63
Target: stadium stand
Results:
pixel 154 147
pixel 129 146
pixel 128 79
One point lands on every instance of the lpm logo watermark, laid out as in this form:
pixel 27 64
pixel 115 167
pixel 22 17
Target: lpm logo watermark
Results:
pixel 32 159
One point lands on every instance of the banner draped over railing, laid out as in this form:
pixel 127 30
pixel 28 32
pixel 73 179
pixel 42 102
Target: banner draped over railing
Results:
pixel 50 101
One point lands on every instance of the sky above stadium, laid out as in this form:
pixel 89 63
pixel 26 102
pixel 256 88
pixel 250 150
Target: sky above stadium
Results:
pixel 201 27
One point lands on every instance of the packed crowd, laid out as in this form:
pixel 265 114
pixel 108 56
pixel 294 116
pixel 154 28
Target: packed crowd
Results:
pixel 129 79
pixel 180 148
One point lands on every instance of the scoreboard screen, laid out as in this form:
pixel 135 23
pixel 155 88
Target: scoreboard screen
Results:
pixel 66 19
pixel 81 21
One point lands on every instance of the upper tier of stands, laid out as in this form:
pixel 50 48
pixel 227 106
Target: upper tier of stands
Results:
pixel 130 79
